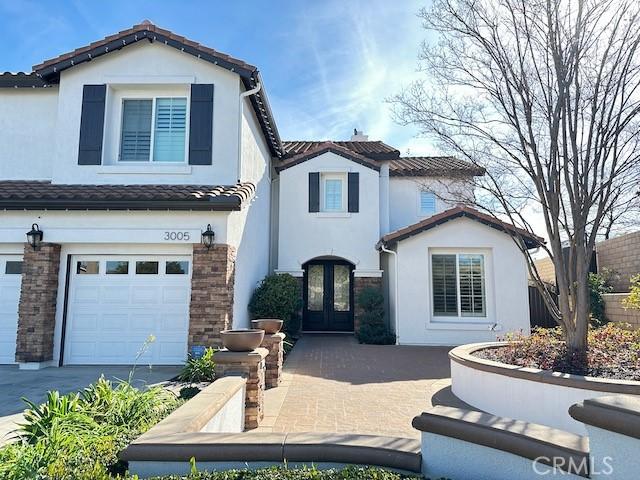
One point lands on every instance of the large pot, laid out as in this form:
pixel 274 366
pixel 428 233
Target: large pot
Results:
pixel 269 325
pixel 242 339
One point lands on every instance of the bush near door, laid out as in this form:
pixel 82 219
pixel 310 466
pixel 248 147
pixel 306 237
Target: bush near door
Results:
pixel 373 329
pixel 278 296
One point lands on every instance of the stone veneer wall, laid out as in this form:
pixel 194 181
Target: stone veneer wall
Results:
pixel 359 284
pixel 37 309
pixel 212 279
pixel 622 255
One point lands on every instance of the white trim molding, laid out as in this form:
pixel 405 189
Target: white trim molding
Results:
pixel 367 273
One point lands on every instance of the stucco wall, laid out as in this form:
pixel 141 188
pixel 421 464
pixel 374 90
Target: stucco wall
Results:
pixel 131 67
pixel 304 235
pixel 27 132
pixel 622 255
pixel 404 197
pixel 505 282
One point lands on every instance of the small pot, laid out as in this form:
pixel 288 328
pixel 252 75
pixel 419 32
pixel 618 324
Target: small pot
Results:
pixel 269 325
pixel 242 339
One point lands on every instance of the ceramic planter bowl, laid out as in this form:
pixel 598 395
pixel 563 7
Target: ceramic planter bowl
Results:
pixel 269 325
pixel 242 339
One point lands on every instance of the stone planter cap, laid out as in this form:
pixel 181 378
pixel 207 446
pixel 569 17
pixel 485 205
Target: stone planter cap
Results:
pixel 616 413
pixel 255 356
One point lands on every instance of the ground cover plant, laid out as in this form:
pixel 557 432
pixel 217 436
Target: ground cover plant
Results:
pixel 79 435
pixel 613 352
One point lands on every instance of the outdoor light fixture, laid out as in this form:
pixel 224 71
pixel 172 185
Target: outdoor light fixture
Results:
pixel 34 237
pixel 207 237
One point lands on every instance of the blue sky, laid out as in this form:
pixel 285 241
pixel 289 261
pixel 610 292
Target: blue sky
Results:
pixel 327 65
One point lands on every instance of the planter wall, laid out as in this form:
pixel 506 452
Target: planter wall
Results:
pixel 526 394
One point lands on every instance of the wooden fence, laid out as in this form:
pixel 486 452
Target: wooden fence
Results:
pixel 539 314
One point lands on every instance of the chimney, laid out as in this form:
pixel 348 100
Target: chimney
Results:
pixel 358 136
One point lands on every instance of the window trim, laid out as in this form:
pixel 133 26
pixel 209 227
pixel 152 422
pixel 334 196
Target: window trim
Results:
pixel 342 176
pixel 421 213
pixel 151 160
pixel 486 288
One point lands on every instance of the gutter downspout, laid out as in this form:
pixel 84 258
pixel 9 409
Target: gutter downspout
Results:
pixel 243 95
pixel 396 307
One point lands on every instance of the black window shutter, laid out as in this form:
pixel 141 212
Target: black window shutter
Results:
pixel 314 191
pixel 201 124
pixel 91 124
pixel 353 191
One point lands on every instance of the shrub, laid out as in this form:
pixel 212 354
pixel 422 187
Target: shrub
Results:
pixel 278 296
pixel 598 286
pixel 373 329
pixel 78 436
pixel 199 369
pixel 633 300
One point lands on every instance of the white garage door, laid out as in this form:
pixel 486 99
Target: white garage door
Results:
pixel 10 280
pixel 117 303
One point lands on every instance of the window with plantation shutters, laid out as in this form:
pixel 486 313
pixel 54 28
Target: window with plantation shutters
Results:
pixel 153 130
pixel 135 143
pixel 170 130
pixel 458 284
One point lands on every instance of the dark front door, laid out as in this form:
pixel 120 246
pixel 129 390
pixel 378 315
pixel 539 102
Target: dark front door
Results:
pixel 328 296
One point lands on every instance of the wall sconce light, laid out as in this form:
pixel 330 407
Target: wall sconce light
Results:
pixel 208 236
pixel 34 237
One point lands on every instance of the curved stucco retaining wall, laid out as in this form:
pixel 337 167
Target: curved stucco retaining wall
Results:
pixel 526 394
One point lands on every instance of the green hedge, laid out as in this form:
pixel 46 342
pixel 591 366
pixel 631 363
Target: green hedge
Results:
pixel 373 328
pixel 278 296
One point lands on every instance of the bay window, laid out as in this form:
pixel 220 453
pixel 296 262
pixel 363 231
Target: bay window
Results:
pixel 458 285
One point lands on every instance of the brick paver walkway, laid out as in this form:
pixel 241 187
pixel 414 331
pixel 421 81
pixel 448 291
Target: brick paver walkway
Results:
pixel 333 384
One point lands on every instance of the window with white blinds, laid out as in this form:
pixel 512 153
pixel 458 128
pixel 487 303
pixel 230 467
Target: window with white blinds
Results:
pixel 135 142
pixel 458 285
pixel 427 203
pixel 170 129
pixel 153 130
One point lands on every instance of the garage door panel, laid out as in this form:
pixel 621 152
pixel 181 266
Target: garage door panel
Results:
pixel 84 322
pixel 10 284
pixel 9 298
pixel 126 310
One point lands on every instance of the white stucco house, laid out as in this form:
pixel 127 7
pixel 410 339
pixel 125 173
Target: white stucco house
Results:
pixel 149 171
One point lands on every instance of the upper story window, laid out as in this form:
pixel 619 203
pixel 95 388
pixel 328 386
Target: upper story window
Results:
pixel 458 285
pixel 333 192
pixel 154 130
pixel 427 203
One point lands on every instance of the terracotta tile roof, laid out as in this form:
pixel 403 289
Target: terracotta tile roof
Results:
pixel 531 241
pixel 432 166
pixel 34 195
pixel 21 80
pixel 375 150
pixel 323 147
pixel 49 70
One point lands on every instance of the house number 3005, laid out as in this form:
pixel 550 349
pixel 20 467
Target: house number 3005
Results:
pixel 177 236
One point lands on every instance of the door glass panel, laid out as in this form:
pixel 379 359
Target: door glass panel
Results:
pixel 341 277
pixel 88 268
pixel 315 288
pixel 117 267
pixel 13 267
pixel 146 268
pixel 177 268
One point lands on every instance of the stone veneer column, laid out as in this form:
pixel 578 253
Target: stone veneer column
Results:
pixel 37 309
pixel 359 284
pixel 250 365
pixel 274 343
pixel 211 309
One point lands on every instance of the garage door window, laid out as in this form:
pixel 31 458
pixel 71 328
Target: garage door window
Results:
pixel 146 268
pixel 177 268
pixel 13 268
pixel 117 268
pixel 88 268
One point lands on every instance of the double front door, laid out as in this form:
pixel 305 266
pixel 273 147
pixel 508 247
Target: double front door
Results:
pixel 328 296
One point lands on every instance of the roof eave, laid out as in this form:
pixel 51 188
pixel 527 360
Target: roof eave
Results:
pixel 214 204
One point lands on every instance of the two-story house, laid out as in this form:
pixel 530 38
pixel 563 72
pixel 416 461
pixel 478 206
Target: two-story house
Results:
pixel 145 191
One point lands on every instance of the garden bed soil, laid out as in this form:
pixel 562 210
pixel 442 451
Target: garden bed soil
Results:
pixel 613 353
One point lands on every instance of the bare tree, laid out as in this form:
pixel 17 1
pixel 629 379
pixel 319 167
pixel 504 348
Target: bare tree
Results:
pixel 544 94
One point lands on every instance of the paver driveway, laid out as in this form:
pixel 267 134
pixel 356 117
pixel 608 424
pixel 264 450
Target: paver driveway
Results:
pixel 34 385
pixel 333 384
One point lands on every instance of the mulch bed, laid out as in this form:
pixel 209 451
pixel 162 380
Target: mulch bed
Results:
pixel 614 353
